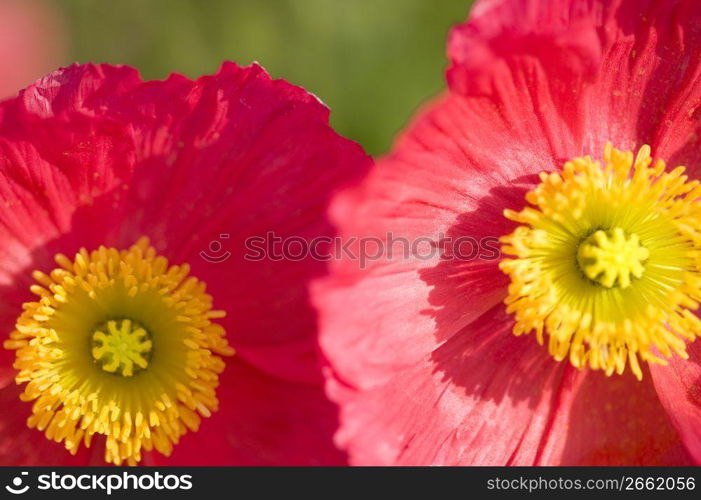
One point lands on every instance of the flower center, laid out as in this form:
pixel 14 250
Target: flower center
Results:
pixel 607 262
pixel 122 346
pixel 611 258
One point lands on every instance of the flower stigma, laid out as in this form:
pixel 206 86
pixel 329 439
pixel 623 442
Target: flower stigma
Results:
pixel 124 348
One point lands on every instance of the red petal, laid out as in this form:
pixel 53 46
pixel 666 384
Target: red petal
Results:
pixel 200 160
pixel 58 177
pixel 511 51
pixel 532 85
pixel 625 71
pixel 614 420
pixel 234 154
pixel 679 389
pixel 22 446
pixel 262 420
pixel 441 184
pixel 92 155
pixel 477 399
pixel 486 397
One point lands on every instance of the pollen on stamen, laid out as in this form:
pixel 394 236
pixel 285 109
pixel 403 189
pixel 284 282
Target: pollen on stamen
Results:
pixel 119 345
pixel 606 262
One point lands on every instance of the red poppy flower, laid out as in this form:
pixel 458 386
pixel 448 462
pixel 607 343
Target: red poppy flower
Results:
pixel 32 43
pixel 119 348
pixel 598 276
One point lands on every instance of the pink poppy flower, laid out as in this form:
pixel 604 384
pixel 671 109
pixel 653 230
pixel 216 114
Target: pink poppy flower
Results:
pixel 32 43
pixel 120 353
pixel 569 348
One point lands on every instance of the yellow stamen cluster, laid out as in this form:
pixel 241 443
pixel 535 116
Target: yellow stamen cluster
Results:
pixel 122 345
pixel 607 262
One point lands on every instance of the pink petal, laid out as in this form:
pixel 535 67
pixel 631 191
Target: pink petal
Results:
pixel 614 420
pixel 92 155
pixel 59 175
pixel 240 155
pixel 679 389
pixel 625 71
pixel 22 446
pixel 532 85
pixel 476 400
pixel 262 420
pixel 486 397
pixel 235 153
pixel 440 183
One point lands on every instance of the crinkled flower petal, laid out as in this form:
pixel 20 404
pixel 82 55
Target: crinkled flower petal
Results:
pixel 532 85
pixel 91 155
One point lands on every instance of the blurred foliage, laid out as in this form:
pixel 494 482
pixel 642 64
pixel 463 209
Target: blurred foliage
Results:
pixel 372 61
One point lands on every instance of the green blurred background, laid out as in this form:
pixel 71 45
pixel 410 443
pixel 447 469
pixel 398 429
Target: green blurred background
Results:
pixel 372 61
